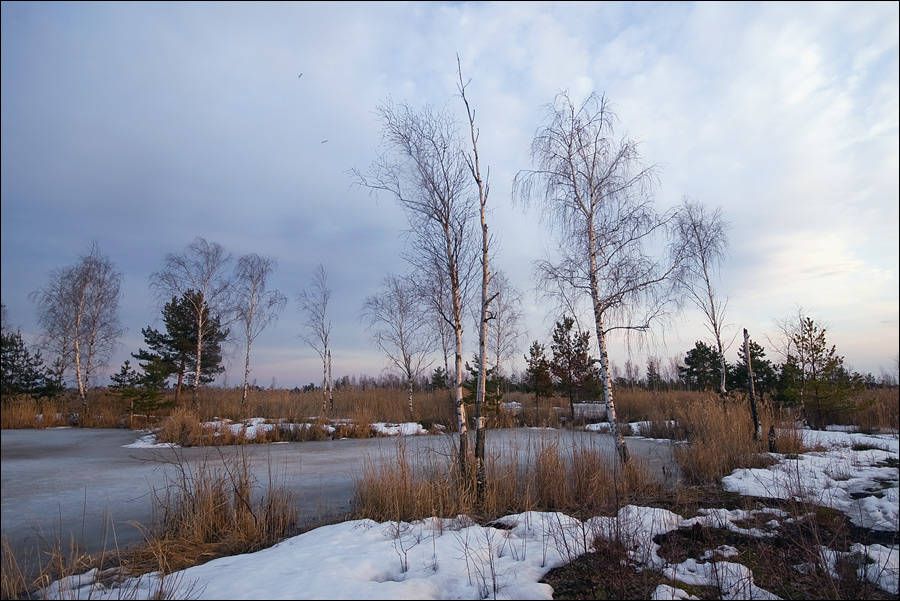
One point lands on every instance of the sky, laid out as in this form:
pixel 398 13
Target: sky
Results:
pixel 460 559
pixel 142 126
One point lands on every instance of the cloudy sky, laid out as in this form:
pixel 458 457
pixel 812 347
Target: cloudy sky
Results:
pixel 141 126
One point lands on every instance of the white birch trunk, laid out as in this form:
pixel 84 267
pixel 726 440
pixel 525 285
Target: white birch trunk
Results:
pixel 621 447
pixel 200 325
pixel 325 383
pixel 330 385
pixel 757 427
pixel 78 371
pixel 474 167
pixel 246 371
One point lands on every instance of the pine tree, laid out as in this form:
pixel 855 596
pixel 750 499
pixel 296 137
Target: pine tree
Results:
pixel 538 379
pixel 492 394
pixel 814 377
pixel 439 379
pixel 571 365
pixel 765 375
pixel 23 372
pixel 702 367
pixel 174 352
pixel 143 391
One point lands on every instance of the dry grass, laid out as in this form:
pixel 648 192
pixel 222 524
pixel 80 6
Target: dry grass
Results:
pixel 219 511
pixel 212 512
pixel 215 510
pixel 45 560
pixel 720 438
pixel 543 476
pixel 879 410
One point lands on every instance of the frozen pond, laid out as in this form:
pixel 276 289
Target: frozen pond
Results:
pixel 86 484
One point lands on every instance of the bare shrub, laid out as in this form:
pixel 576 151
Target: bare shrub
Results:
pixel 212 512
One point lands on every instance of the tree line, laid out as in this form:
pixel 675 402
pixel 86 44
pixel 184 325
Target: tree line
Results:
pixel 617 263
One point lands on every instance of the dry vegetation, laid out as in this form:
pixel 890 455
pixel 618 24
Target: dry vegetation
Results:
pixel 214 512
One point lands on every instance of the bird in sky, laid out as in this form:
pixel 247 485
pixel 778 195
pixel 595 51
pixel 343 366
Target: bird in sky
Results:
pixel 301 75
pixel 323 141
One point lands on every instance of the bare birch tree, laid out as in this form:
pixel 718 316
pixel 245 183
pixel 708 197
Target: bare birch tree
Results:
pixel 433 292
pixel 256 306
pixel 79 314
pixel 203 269
pixel 481 183
pixel 597 194
pixel 704 234
pixel 317 327
pixel 401 328
pixel 425 169
pixel 505 325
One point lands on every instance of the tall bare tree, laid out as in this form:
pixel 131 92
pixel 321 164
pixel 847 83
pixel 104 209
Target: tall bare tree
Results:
pixel 704 234
pixel 401 328
pixel 506 323
pixel 203 269
pixel 255 305
pixel 425 169
pixel 481 183
pixel 433 292
pixel 317 327
pixel 597 194
pixel 79 314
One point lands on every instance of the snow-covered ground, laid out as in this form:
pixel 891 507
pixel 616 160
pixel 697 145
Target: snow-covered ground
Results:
pixel 459 559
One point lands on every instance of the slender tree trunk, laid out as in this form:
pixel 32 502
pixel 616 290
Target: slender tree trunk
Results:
pixel 757 427
pixel 410 382
pixel 458 361
pixel 714 319
pixel 246 372
pixel 330 386
pixel 325 383
pixel 606 381
pixel 78 371
pixel 180 381
pixel 460 405
pixel 475 168
pixel 194 399
pixel 621 447
pixel 480 475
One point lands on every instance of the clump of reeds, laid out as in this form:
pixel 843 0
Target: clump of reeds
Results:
pixel 209 512
pixel 541 476
pixel 721 438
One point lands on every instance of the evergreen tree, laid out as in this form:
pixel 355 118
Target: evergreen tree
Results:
pixel 654 378
pixel 439 379
pixel 23 372
pixel 765 375
pixel 174 352
pixel 492 394
pixel 143 391
pixel 702 367
pixel 571 365
pixel 538 379
pixel 814 377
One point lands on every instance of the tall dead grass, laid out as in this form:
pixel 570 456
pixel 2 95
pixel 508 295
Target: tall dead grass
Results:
pixel 213 511
pixel 216 510
pixel 878 410
pixel 543 475
pixel 24 412
pixel 720 438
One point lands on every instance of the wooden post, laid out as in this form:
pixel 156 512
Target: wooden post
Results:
pixel 757 427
